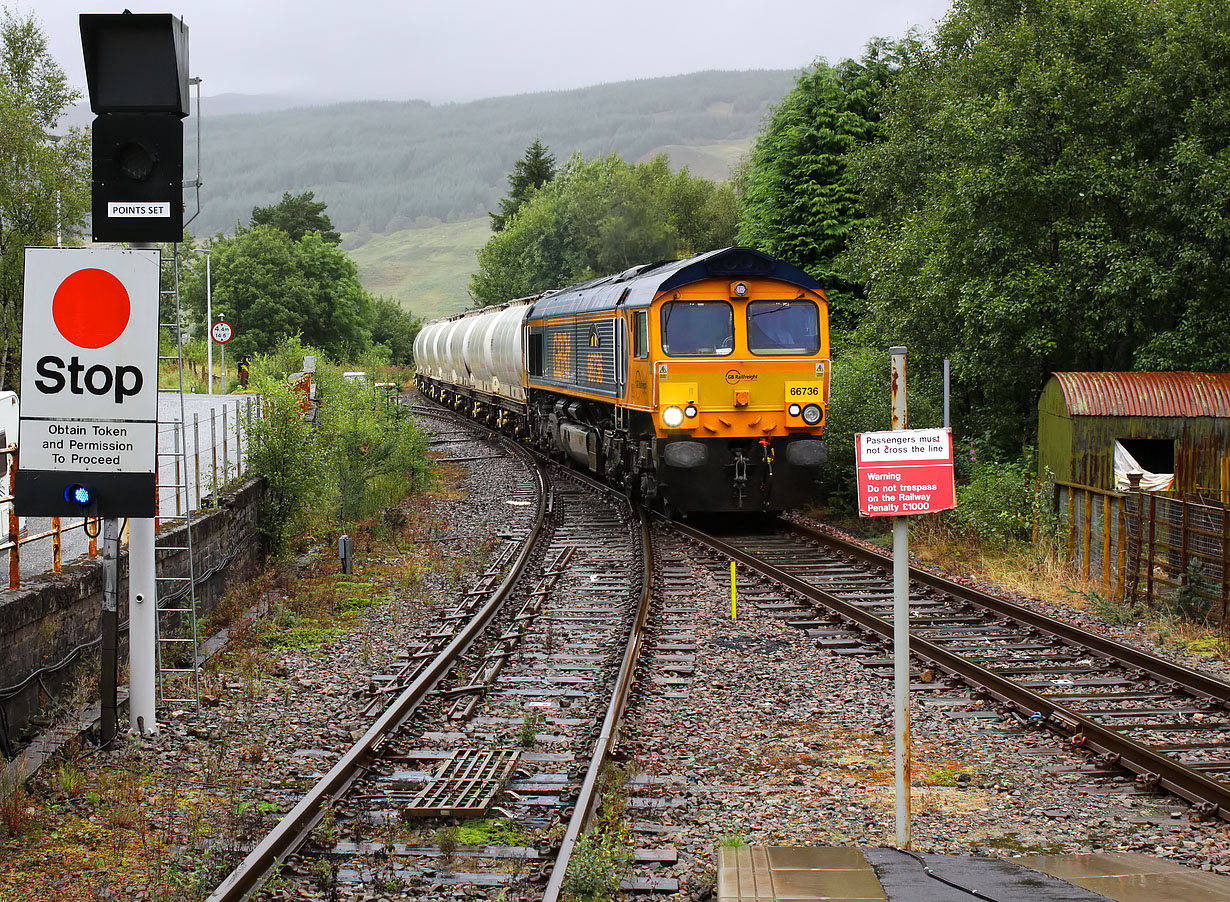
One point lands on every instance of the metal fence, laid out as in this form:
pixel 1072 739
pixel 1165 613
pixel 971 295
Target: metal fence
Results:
pixel 1142 546
pixel 195 458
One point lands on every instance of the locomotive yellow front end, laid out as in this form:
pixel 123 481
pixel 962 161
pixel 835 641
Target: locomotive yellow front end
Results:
pixel 735 371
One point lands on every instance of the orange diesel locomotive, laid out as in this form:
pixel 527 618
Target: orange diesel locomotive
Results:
pixel 701 384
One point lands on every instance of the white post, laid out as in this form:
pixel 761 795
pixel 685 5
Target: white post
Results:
pixel 223 349
pixel 143 627
pixel 901 627
pixel 209 324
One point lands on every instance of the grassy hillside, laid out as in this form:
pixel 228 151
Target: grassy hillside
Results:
pixel 386 167
pixel 712 161
pixel 426 270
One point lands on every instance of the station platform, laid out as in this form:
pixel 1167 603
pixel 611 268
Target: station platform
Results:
pixel 863 874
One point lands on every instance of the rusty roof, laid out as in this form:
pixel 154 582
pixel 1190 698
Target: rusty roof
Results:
pixel 1146 394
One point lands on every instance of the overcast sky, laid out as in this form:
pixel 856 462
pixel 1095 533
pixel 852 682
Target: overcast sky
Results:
pixel 458 50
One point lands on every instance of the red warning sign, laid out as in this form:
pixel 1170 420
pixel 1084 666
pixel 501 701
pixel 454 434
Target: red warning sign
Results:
pixel 906 471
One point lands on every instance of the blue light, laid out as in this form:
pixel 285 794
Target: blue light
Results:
pixel 78 494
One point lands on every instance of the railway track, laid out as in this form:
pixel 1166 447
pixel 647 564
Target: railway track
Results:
pixel 514 697
pixel 1123 708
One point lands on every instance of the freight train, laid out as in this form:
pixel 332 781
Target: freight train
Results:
pixel 701 385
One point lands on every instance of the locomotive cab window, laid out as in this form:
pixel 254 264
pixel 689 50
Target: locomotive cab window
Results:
pixel 783 327
pixel 698 328
pixel 641 334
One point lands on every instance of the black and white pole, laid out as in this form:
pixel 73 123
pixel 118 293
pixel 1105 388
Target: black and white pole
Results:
pixel 901 625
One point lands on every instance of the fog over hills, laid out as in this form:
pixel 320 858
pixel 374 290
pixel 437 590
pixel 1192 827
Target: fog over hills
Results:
pixel 387 166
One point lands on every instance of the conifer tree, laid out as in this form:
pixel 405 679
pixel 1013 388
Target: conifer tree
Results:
pixel 530 173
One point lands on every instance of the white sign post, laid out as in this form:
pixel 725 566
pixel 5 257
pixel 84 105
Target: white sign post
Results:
pixel 222 333
pixel 89 383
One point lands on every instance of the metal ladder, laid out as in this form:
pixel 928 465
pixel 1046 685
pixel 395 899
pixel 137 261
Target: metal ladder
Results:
pixel 179 674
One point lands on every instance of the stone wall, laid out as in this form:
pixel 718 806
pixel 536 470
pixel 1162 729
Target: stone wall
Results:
pixel 46 619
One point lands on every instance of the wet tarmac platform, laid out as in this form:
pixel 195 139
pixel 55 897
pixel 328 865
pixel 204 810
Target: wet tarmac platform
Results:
pixel 853 874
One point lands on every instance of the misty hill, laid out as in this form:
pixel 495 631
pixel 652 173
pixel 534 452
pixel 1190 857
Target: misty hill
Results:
pixel 384 167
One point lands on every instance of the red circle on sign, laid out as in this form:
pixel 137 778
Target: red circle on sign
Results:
pixel 91 308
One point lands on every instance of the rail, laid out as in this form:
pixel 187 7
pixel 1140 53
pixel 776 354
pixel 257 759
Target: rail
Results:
pixel 588 799
pixel 293 830
pixel 1209 796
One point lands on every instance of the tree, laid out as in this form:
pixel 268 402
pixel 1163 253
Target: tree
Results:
pixel 799 202
pixel 44 179
pixel 395 328
pixel 529 174
pixel 296 216
pixel 270 288
pixel 1051 194
pixel 598 217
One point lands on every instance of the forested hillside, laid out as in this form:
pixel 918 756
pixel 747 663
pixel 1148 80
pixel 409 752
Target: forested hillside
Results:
pixel 383 167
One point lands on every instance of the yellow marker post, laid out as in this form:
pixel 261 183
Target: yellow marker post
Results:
pixel 733 613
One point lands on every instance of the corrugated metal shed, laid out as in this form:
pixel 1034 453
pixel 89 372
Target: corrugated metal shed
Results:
pixel 1082 415
pixel 1146 394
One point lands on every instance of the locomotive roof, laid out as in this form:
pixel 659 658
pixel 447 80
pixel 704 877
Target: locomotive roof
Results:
pixel 637 286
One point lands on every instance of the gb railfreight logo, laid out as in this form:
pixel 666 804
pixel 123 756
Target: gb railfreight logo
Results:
pixel 89 385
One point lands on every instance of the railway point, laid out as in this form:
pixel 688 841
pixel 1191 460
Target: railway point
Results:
pixel 862 874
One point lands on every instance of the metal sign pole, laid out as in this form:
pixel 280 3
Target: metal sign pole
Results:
pixel 901 626
pixel 143 627
pixel 110 629
pixel 209 323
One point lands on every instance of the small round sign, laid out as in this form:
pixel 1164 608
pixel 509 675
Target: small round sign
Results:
pixel 222 331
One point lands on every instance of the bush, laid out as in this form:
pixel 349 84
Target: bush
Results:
pixel 364 453
pixel 997 504
pixel 597 865
pixel 377 453
pixel 284 450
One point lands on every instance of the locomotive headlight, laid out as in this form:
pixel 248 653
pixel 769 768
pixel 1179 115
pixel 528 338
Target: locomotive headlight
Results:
pixel 690 410
pixel 673 417
pixel 812 414
pixel 794 410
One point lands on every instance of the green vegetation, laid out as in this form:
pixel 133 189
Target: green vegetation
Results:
pixel 528 734
pixel 599 217
pixel 799 201
pixel 285 276
pixel 996 503
pixel 364 454
pixel 949 775
pixel 426 269
pixel 296 216
pixel 1042 198
pixel 271 287
pixel 603 857
pixel 491 832
pixel 43 180
pixel 529 174
pixel 598 863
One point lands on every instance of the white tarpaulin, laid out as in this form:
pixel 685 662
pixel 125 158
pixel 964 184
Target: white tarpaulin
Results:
pixel 1150 482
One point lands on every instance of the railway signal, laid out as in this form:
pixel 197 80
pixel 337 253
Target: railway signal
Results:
pixel 136 69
